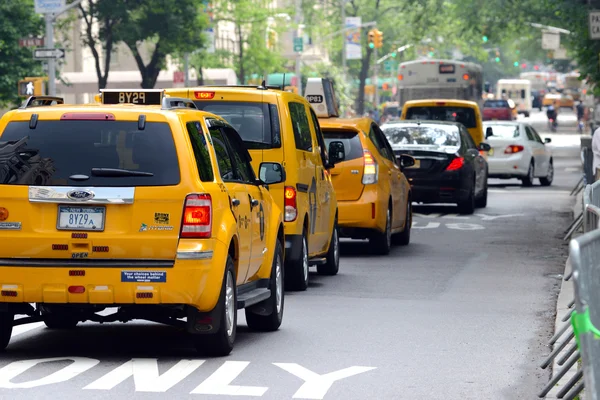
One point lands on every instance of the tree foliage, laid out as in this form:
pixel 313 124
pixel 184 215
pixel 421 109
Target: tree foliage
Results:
pixel 17 20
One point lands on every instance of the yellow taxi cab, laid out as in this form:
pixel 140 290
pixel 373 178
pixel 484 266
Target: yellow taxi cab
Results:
pixel 550 99
pixel 374 197
pixel 150 206
pixel 279 126
pixel 463 111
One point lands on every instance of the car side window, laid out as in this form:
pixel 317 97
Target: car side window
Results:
pixel 389 153
pixel 376 139
pixel 320 140
pixel 200 151
pixel 301 127
pixel 529 133
pixel 224 159
pixel 537 137
pixel 468 139
pixel 242 164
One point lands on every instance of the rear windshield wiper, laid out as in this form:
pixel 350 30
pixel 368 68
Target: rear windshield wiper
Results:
pixel 117 172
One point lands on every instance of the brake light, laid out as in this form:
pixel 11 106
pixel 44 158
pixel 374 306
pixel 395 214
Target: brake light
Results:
pixel 371 169
pixel 466 77
pixel 400 77
pixel 197 216
pixel 204 95
pixel 290 205
pixel 513 148
pixel 456 164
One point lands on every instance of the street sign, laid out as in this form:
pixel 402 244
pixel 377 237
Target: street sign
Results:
pixel 594 20
pixel 298 44
pixel 31 42
pixel 45 54
pixel 550 40
pixel 49 6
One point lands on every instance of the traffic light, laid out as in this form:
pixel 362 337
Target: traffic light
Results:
pixel 497 59
pixel 32 86
pixel 536 67
pixel 523 65
pixel 372 38
pixel 516 63
pixel 393 54
pixel 485 39
pixel 378 42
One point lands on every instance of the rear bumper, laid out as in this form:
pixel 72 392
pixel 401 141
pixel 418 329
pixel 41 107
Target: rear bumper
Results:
pixel 508 167
pixel 195 279
pixel 368 212
pixel 438 189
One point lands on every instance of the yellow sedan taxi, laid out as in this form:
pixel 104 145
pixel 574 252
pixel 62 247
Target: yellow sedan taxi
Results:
pixel 374 197
pixel 150 206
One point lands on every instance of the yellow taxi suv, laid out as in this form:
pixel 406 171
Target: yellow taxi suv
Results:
pixel 374 196
pixel 279 126
pixel 463 111
pixel 141 203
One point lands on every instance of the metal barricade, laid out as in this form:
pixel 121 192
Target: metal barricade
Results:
pixel 584 252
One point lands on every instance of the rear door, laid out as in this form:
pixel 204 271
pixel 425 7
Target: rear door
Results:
pixel 541 155
pixel 83 190
pixel 347 175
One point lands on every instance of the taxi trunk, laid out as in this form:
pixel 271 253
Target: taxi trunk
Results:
pixel 89 193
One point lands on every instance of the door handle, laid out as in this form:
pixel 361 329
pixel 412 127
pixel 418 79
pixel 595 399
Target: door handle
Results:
pixel 235 202
pixel 253 202
pixel 390 172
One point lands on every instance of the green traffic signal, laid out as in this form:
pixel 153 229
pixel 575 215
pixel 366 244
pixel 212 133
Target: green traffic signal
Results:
pixel 372 45
pixel 394 54
pixel 516 63
pixel 497 59
pixel 431 54
pixel 485 39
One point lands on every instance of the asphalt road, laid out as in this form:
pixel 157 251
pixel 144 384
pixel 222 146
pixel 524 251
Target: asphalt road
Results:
pixel 463 312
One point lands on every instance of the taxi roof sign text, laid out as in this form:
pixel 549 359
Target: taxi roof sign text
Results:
pixel 124 96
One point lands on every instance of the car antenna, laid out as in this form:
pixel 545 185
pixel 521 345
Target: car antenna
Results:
pixel 283 82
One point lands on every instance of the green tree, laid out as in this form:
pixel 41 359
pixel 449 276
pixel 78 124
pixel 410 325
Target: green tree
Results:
pixel 17 20
pixel 165 27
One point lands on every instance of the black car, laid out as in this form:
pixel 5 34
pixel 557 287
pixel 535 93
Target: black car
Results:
pixel 448 165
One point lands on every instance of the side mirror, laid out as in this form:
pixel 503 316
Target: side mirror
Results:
pixel 484 146
pixel 337 152
pixel 271 172
pixel 547 140
pixel 406 161
pixel 489 132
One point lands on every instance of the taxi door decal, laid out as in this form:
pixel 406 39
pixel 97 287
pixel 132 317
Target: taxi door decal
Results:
pixel 312 205
pixel 261 216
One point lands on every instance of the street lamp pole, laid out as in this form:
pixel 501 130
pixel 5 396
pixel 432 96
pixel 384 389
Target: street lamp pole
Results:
pixel 297 19
pixel 344 40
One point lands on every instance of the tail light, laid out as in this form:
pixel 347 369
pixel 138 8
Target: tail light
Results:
pixel 290 205
pixel 456 164
pixel 513 148
pixel 197 216
pixel 371 169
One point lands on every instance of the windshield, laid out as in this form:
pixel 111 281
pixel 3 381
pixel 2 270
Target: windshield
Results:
pixel 55 151
pixel 504 131
pixel 496 104
pixel 423 135
pixel 257 123
pixel 464 115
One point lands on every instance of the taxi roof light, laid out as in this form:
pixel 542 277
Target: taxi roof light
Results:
pixel 197 216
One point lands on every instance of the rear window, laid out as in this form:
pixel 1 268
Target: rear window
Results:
pixel 393 111
pixel 257 123
pixel 55 151
pixel 434 135
pixel 464 115
pixel 496 104
pixel 352 145
pixel 504 131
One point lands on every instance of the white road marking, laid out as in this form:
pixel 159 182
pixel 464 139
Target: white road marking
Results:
pixel 531 191
pixel 220 382
pixel 485 217
pixel 14 369
pixel 455 216
pixel 573 169
pixel 435 215
pixel 20 329
pixel 430 225
pixel 145 375
pixel 315 386
pixel 465 227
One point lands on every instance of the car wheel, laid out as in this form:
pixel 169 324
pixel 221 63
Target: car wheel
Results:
pixel 381 242
pixel 59 321
pixel 267 316
pixel 528 180
pixel 467 206
pixel 6 327
pixel 481 202
pixel 332 266
pixel 547 180
pixel 403 238
pixel 221 342
pixel 296 271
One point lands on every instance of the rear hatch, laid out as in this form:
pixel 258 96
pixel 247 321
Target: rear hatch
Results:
pixel 429 160
pixel 347 175
pixel 503 137
pixel 89 192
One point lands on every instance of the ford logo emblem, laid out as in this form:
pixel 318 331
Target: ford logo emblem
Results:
pixel 80 195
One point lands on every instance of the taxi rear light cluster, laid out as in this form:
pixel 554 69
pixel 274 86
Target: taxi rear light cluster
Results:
pixel 371 169
pixel 100 249
pixel 144 295
pixel 76 289
pixel 514 148
pixel 290 203
pixel 76 273
pixel 9 293
pixel 79 235
pixel 197 216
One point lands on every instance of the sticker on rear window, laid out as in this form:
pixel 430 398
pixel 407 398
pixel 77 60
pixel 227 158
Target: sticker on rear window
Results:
pixel 143 276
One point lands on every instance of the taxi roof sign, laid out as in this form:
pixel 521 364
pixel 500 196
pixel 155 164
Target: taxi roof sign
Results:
pixel 321 96
pixel 127 96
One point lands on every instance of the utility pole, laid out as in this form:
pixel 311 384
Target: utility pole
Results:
pixel 298 19
pixel 375 79
pixel 49 42
pixel 186 69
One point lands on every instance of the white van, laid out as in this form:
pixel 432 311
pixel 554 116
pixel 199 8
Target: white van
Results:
pixel 517 90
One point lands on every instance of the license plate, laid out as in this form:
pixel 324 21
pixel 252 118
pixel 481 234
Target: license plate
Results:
pixel 417 164
pixel 491 152
pixel 81 218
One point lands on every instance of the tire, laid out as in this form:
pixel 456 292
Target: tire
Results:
pixel 467 206
pixel 6 327
pixel 403 238
pixel 59 321
pixel 381 242
pixel 528 180
pixel 547 180
pixel 275 303
pixel 332 266
pixel 296 271
pixel 481 201
pixel 221 343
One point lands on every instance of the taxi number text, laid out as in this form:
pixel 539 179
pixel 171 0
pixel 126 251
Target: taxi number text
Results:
pixel 81 218
pixel 132 98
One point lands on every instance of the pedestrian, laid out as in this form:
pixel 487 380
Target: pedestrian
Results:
pixel 596 150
